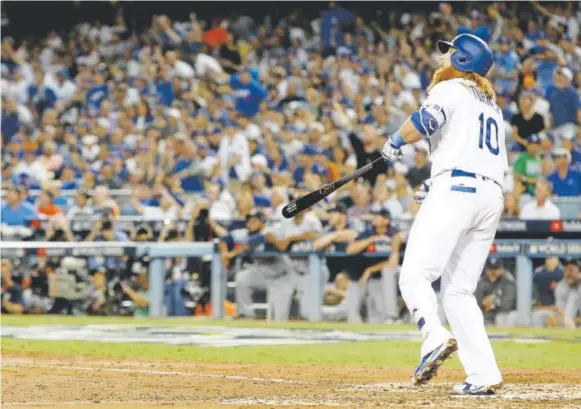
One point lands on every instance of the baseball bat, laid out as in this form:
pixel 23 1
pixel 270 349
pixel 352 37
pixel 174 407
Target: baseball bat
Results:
pixel 308 200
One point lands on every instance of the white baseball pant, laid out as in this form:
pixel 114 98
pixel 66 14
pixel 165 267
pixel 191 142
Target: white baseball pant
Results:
pixel 451 237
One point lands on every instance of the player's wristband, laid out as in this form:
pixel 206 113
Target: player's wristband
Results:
pixel 397 140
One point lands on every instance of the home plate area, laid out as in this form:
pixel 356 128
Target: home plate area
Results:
pixel 31 380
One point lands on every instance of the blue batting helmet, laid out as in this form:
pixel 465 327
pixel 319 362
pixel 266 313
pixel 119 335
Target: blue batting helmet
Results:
pixel 471 54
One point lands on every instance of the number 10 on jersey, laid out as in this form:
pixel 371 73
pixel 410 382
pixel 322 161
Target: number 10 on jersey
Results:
pixel 486 126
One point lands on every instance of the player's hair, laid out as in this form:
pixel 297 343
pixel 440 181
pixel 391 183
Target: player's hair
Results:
pixel 482 83
pixel 449 72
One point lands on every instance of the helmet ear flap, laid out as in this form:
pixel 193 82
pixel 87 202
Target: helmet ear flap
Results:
pixel 459 59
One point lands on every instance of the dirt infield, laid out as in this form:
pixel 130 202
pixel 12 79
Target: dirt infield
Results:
pixel 38 381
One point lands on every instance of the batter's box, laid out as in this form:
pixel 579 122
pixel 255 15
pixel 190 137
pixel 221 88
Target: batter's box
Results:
pixel 560 392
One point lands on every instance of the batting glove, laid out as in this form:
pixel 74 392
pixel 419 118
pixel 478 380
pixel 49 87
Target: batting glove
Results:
pixel 389 152
pixel 421 194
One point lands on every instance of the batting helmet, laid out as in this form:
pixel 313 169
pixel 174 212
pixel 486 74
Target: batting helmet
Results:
pixel 471 54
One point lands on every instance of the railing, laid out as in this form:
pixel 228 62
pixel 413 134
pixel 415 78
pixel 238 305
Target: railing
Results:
pixel 523 250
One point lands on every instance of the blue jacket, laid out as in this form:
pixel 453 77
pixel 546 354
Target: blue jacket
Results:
pixel 248 96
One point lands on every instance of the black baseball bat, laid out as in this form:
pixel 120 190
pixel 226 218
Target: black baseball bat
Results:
pixel 306 201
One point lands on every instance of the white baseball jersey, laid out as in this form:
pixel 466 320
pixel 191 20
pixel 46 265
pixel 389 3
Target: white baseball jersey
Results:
pixel 466 130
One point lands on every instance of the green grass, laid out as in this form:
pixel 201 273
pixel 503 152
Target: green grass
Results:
pixel 369 354
pixel 564 353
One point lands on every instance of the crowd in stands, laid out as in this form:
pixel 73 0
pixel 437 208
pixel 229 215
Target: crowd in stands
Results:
pixel 210 120
pixel 248 114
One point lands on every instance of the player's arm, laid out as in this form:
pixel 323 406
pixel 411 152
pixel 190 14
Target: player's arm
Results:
pixel 357 246
pixel 279 244
pixel 396 242
pixel 508 299
pixel 310 235
pixel 369 271
pixel 423 123
pixel 517 137
pixel 11 307
pixel 519 172
pixel 339 236
pixel 543 10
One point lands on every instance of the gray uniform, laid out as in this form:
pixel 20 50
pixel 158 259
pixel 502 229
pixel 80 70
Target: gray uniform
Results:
pixel 380 290
pixel 263 273
pixel 568 298
pixel 503 290
pixel 308 301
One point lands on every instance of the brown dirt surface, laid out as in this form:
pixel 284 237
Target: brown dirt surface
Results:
pixel 38 381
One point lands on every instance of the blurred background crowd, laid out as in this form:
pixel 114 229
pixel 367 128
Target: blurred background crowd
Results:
pixel 181 128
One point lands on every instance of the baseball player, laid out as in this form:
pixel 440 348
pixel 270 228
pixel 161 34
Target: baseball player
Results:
pixel 462 203
pixel 362 271
pixel 271 274
pixel 300 232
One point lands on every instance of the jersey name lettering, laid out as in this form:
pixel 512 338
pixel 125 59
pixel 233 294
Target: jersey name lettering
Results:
pixel 482 97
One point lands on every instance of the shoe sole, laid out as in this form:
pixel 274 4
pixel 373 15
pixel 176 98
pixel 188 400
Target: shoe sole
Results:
pixel 490 391
pixel 430 370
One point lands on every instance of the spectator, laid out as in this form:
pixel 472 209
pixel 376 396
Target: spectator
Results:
pixel 565 105
pixel 97 297
pixel 108 178
pixel 59 87
pixel 511 205
pixel 359 200
pixel 230 57
pixel 401 99
pixel 527 167
pixel 104 229
pixel 234 155
pixel 68 178
pixel 383 199
pixel 249 93
pixel 506 64
pixel 367 149
pixel 402 190
pixel 58 229
pixel 30 166
pixel 139 296
pixel 496 295
pixel 82 208
pixel 17 212
pixel 527 122
pixel 12 298
pixel 565 180
pixel 46 206
pixel 421 170
pixel 103 203
pixel 178 68
pixel 50 159
pixel 542 208
pixel 168 208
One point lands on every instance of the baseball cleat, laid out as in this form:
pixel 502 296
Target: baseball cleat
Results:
pixel 430 363
pixel 475 390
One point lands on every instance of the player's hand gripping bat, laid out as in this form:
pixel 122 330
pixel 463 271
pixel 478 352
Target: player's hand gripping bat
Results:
pixel 308 200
